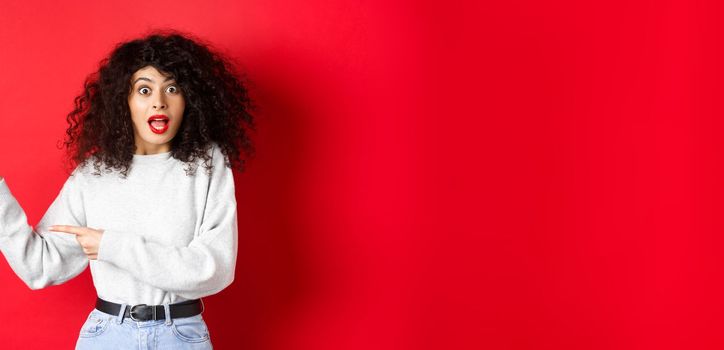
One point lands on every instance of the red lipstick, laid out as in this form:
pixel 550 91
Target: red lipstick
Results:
pixel 158 123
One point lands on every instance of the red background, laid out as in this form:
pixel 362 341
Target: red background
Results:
pixel 507 175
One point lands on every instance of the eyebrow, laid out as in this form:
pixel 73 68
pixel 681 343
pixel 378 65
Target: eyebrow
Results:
pixel 147 79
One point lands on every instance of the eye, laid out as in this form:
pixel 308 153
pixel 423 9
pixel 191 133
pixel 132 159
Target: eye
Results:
pixel 172 89
pixel 142 89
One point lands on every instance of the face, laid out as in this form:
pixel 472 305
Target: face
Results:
pixel 157 107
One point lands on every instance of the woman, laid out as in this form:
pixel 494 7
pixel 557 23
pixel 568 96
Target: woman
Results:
pixel 158 235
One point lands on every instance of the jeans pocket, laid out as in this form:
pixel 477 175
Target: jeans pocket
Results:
pixel 190 329
pixel 95 325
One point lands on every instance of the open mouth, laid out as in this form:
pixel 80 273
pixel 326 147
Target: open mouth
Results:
pixel 158 123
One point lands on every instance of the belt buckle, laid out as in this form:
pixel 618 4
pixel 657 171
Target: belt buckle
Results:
pixel 131 312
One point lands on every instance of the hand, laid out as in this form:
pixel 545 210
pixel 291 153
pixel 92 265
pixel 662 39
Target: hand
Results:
pixel 87 237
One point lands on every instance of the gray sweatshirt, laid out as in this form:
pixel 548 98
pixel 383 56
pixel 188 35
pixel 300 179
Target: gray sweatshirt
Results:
pixel 168 237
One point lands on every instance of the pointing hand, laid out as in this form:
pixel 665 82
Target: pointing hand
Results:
pixel 87 237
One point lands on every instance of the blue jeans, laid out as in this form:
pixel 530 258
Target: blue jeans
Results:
pixel 104 331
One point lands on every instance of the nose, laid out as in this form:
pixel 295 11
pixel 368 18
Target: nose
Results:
pixel 159 103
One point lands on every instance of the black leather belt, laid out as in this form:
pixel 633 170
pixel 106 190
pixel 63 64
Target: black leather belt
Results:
pixel 143 312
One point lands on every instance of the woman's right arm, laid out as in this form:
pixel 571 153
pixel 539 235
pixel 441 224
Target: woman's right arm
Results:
pixel 40 257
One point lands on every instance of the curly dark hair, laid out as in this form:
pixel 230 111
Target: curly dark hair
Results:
pixel 218 108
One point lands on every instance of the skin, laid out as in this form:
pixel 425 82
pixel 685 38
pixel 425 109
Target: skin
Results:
pixel 88 238
pixel 152 93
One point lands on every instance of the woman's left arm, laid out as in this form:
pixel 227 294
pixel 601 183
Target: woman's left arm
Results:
pixel 204 267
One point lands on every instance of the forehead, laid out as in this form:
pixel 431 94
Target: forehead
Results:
pixel 151 73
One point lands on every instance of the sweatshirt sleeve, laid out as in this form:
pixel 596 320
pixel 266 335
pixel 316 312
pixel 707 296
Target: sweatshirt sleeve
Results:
pixel 204 267
pixel 40 257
